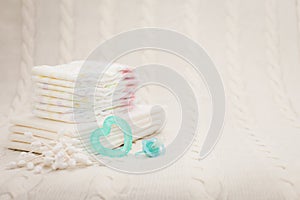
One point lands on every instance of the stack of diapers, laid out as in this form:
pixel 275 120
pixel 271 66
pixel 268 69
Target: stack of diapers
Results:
pixel 59 90
pixel 56 99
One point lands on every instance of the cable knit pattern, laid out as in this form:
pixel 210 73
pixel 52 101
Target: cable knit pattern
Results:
pixel 147 20
pixel 297 5
pixel 238 91
pixel 188 178
pixel 190 21
pixel 191 18
pixel 219 191
pixel 66 31
pixel 3 119
pixel 236 84
pixel 274 69
pixel 107 23
pixel 147 17
pixel 27 55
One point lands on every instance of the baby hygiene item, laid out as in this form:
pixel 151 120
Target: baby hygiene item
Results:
pixel 47 129
pixel 67 108
pixel 61 153
pixel 56 95
pixel 152 148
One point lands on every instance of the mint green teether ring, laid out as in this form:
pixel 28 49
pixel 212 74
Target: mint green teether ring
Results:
pixel 105 130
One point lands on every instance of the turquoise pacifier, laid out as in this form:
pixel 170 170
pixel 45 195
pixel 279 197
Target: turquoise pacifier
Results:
pixel 152 148
pixel 105 130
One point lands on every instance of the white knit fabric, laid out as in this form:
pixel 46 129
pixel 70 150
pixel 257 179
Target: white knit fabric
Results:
pixel 255 46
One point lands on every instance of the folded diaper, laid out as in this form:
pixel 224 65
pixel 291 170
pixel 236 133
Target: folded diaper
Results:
pixel 83 115
pixel 123 87
pixel 17 133
pixel 71 84
pixel 20 142
pixel 65 110
pixel 69 117
pixel 70 97
pixel 140 121
pixel 137 115
pixel 103 104
pixel 71 71
pixel 68 76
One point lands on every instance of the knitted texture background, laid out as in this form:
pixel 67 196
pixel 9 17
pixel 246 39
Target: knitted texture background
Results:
pixel 255 45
